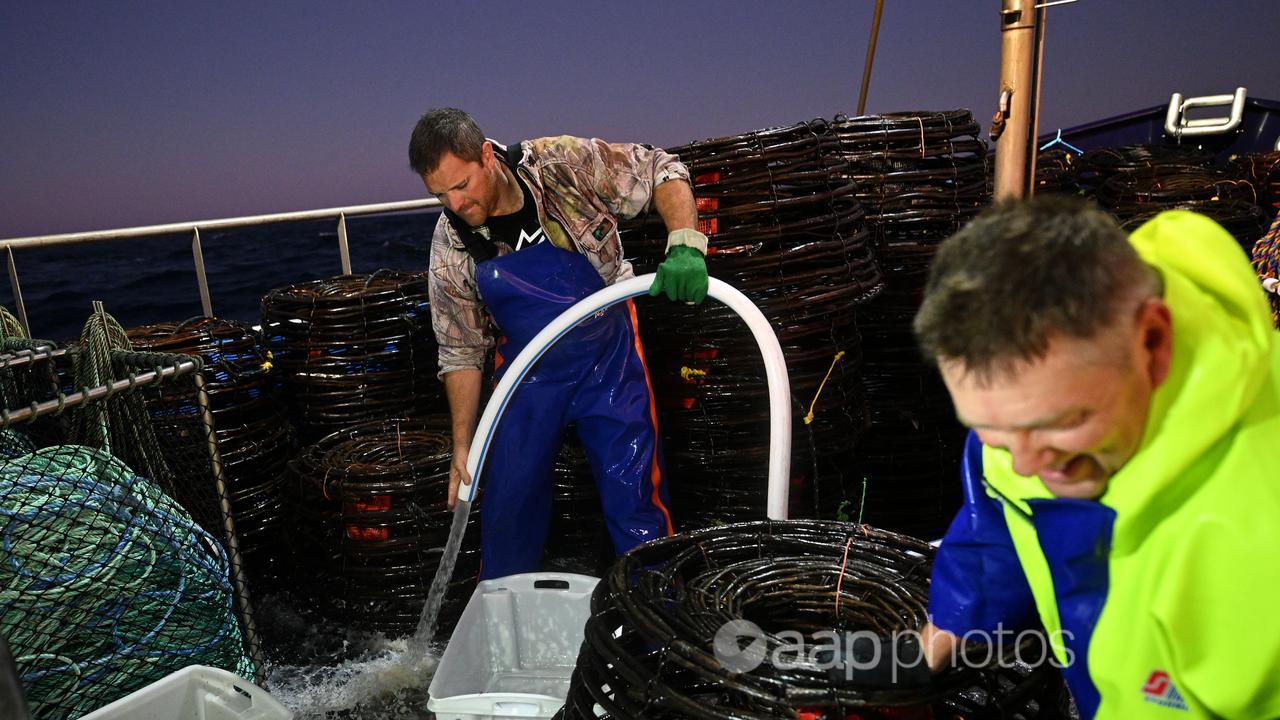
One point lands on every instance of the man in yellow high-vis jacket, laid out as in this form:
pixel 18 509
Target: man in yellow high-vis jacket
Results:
pixel 1124 397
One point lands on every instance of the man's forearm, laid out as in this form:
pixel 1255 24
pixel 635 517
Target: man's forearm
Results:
pixel 463 389
pixel 674 202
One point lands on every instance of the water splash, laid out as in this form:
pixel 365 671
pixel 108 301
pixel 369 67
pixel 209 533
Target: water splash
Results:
pixel 380 678
pixel 419 644
pixel 385 683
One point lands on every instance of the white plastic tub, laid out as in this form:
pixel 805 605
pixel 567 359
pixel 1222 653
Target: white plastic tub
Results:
pixel 514 648
pixel 195 693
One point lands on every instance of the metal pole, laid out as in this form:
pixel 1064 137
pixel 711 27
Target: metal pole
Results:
pixel 8 361
pixel 1042 15
pixel 205 303
pixel 344 251
pixel 229 527
pixel 218 224
pixel 19 305
pixel 1017 83
pixel 871 56
pixel 67 401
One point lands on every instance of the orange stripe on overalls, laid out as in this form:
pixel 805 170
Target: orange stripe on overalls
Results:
pixel 655 474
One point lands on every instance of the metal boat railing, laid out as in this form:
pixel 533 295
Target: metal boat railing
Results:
pixel 194 227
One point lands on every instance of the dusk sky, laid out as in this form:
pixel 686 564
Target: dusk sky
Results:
pixel 129 113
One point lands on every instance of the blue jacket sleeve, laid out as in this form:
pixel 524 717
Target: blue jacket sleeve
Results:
pixel 978 583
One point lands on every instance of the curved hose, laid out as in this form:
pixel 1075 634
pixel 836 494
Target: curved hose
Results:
pixel 774 364
pixel 775 367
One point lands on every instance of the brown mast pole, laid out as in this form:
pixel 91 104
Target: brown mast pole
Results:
pixel 1018 40
pixel 871 56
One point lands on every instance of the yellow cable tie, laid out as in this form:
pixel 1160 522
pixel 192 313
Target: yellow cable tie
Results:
pixel 687 372
pixel 808 418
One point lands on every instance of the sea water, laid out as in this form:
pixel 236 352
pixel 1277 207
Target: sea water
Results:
pixel 150 280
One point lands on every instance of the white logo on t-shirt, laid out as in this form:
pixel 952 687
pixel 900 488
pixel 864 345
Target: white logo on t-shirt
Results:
pixel 525 238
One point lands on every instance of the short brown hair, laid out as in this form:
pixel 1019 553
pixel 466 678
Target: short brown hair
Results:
pixel 1022 272
pixel 441 130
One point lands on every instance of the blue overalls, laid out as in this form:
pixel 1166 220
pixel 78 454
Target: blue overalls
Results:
pixel 596 377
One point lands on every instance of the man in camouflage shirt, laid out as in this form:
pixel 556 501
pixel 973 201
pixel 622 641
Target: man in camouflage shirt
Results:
pixel 526 232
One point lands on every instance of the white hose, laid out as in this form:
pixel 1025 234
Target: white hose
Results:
pixel 775 367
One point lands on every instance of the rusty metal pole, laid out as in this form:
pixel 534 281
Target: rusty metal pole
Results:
pixel 871 56
pixel 1042 15
pixel 1014 158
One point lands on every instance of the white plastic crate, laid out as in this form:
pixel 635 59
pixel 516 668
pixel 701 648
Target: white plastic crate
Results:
pixel 195 693
pixel 514 648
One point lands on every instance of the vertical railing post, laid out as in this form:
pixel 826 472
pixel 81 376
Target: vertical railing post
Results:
pixel 205 303
pixel 344 252
pixel 235 560
pixel 19 305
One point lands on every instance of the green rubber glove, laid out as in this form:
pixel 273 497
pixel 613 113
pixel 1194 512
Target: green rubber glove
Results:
pixel 683 275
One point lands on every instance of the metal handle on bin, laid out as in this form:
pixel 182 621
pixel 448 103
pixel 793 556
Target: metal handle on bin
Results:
pixel 552 584
pixel 1177 124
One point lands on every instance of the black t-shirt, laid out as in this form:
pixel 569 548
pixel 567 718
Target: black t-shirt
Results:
pixel 521 228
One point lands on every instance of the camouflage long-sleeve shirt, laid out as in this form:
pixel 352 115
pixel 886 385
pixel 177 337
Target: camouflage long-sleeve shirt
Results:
pixel 582 188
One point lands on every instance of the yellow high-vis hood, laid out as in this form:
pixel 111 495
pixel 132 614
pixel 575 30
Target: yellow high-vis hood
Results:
pixel 1188 620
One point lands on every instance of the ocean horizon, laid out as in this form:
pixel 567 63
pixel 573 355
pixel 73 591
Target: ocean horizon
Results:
pixel 150 280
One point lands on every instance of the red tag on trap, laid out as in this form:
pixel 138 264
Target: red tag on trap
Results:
pixel 707 226
pixel 366 534
pixel 377 503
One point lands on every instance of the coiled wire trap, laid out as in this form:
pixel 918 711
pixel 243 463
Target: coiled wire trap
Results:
pixel 253 437
pixel 1098 166
pixel 1262 170
pixel 372 523
pixel 650 644
pixel 1137 196
pixel 921 176
pixel 352 348
pixel 784 226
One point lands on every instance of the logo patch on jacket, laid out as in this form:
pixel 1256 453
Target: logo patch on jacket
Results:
pixel 602 230
pixel 1161 691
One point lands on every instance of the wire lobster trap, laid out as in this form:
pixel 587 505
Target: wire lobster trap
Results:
pixel 664 639
pixel 371 524
pixel 352 348
pixel 784 226
pixel 254 439
pixel 119 560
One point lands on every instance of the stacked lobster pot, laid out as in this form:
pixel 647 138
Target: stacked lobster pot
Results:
pixel 785 227
pixel 1262 172
pixel 356 360
pixel 1055 172
pixel 253 438
pixel 1096 167
pixel 1137 182
pixel 352 348
pixel 372 524
pixel 920 176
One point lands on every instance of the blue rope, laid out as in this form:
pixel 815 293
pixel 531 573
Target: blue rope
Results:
pixel 106 583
